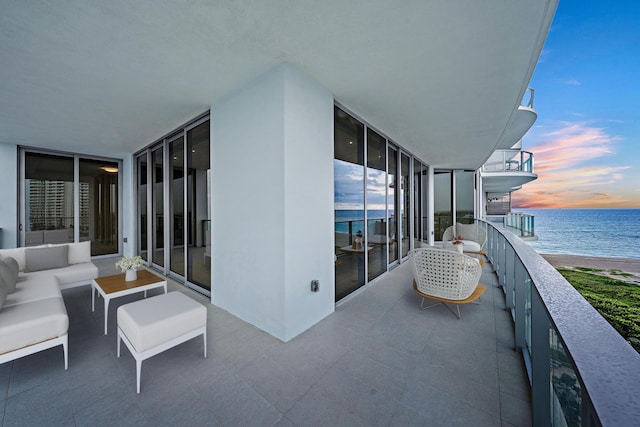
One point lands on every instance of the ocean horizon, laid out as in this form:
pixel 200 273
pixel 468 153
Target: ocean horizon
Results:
pixel 588 232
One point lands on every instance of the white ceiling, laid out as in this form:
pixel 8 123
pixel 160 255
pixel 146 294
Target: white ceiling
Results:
pixel 442 78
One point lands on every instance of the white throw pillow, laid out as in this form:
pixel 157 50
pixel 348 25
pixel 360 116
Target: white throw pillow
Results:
pixel 467 231
pixel 80 252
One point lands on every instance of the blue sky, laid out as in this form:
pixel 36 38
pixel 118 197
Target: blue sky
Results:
pixel 586 140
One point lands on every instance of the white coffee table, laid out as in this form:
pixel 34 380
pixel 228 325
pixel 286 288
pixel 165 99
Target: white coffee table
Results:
pixel 115 286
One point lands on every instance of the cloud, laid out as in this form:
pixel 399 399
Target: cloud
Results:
pixel 572 82
pixel 571 172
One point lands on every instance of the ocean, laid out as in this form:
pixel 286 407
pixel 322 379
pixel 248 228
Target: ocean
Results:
pixel 343 217
pixel 589 232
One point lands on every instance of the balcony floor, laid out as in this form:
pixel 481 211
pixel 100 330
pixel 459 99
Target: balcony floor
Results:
pixel 378 360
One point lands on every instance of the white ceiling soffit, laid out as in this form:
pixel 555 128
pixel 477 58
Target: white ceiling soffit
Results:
pixel 441 78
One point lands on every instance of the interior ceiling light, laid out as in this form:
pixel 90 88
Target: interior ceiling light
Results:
pixel 109 169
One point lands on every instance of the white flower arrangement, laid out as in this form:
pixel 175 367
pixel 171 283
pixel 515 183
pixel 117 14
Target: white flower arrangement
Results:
pixel 132 263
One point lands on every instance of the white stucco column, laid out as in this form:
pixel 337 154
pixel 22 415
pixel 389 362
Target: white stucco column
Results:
pixel 9 192
pixel 272 202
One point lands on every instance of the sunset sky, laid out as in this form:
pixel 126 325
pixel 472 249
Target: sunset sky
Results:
pixel 586 141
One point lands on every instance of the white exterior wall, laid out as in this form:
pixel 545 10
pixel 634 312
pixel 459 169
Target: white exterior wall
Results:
pixel 309 216
pixel 8 193
pixel 272 198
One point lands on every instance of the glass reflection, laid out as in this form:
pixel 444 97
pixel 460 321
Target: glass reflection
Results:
pixel 49 201
pixel 199 206
pixel 376 204
pixel 99 205
pixel 348 204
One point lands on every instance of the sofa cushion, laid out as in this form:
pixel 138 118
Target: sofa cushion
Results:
pixel 37 259
pixel 30 323
pixel 15 253
pixel 74 273
pixel 9 273
pixel 3 292
pixel 80 252
pixel 33 289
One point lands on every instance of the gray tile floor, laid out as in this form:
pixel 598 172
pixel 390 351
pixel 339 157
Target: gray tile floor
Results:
pixel 378 360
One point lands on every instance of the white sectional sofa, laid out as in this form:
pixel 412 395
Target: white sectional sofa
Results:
pixel 33 316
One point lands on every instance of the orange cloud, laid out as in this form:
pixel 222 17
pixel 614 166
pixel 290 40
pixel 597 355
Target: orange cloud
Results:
pixel 565 177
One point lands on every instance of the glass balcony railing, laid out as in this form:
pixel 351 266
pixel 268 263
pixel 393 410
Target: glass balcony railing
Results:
pixel 521 224
pixel 509 161
pixel 581 370
pixel 528 102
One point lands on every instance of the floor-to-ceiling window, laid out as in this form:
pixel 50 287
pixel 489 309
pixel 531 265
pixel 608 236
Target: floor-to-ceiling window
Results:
pixel 198 205
pixel 373 203
pixel 68 198
pixel 179 202
pixel 142 205
pixel 418 207
pixel 405 207
pixel 176 204
pixel 99 205
pixel 392 203
pixel 348 170
pixel 453 199
pixel 376 204
pixel 442 203
pixel 464 191
pixel 157 206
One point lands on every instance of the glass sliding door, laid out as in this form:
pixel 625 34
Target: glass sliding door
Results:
pixel 142 195
pixel 157 206
pixel 66 198
pixel 392 203
pixel 176 205
pixel 417 200
pixel 464 196
pixel 443 202
pixel 424 195
pixel 48 199
pixel 376 204
pixel 405 204
pixel 349 229
pixel 99 205
pixel 198 218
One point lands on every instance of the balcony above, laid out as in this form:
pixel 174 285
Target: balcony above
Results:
pixel 523 119
pixel 507 170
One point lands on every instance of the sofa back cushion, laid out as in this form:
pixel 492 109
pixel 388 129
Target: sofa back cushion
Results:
pixel 80 252
pixel 15 253
pixel 9 274
pixel 37 259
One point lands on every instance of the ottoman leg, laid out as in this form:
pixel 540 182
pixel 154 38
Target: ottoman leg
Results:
pixel 138 372
pixel 204 336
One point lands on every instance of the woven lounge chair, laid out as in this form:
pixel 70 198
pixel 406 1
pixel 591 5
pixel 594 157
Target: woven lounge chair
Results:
pixel 473 236
pixel 446 276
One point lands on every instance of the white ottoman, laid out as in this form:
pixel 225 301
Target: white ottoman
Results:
pixel 156 324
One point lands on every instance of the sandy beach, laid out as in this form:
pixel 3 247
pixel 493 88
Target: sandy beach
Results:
pixel 627 265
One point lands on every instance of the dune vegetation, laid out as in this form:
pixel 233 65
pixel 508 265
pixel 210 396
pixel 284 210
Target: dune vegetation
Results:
pixel 616 300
